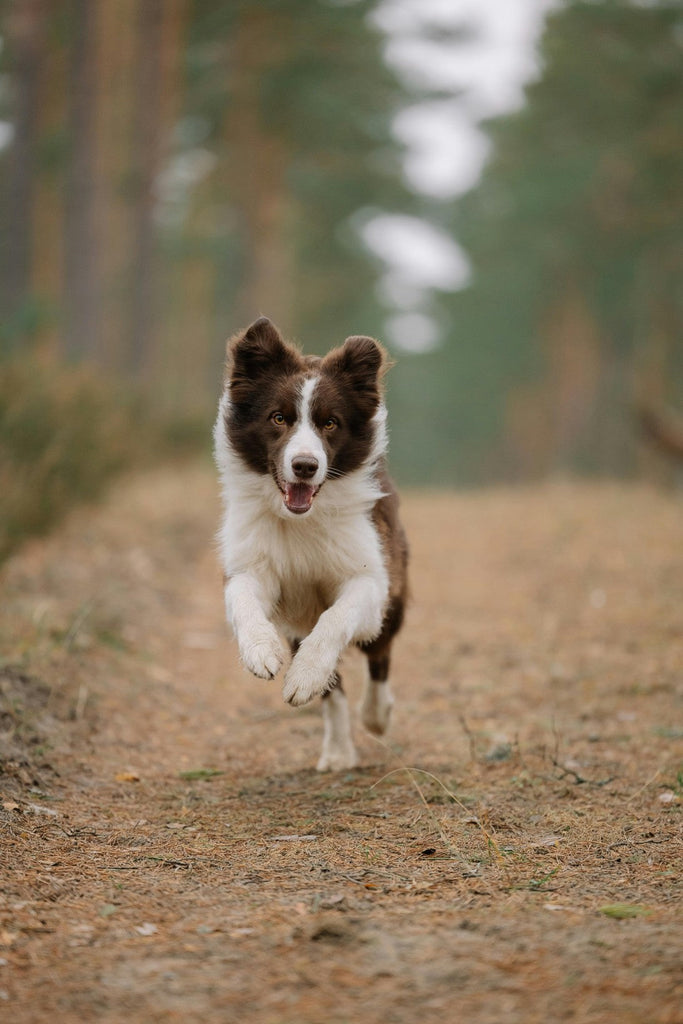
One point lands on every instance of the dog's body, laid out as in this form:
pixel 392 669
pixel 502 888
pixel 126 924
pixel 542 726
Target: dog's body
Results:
pixel 311 543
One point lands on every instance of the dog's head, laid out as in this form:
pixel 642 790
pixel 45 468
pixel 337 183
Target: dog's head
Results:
pixel 303 419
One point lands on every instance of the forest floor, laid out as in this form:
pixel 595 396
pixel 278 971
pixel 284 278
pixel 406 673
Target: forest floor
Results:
pixel 511 854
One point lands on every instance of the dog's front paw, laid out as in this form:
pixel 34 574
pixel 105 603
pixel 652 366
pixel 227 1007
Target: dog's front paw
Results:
pixel 263 654
pixel 307 677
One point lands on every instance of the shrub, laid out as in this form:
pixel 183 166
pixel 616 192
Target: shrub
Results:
pixel 64 432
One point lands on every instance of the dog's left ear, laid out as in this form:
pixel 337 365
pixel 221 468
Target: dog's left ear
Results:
pixel 363 361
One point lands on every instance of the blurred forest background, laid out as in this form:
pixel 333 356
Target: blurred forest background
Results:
pixel 171 169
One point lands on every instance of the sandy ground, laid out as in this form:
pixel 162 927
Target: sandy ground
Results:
pixel 511 854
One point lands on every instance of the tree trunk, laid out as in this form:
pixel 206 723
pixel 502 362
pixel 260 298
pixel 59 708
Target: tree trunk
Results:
pixel 25 37
pixel 146 137
pixel 258 172
pixel 82 278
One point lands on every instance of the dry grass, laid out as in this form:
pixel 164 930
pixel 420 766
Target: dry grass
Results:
pixel 513 852
pixel 64 433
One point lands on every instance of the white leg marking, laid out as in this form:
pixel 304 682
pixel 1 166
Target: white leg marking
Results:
pixel 338 750
pixel 247 608
pixel 378 700
pixel 355 615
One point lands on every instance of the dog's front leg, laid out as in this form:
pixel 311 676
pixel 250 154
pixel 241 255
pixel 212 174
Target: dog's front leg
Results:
pixel 248 605
pixel 355 616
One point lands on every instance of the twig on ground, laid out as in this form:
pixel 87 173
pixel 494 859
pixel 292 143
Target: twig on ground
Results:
pixel 470 737
pixel 579 779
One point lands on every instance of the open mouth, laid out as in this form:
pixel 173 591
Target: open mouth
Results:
pixel 299 497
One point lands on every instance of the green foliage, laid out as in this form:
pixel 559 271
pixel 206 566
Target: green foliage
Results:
pixel 268 127
pixel 24 323
pixel 270 131
pixel 300 120
pixel 575 234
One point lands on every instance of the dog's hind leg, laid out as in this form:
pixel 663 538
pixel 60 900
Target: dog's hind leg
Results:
pixel 378 699
pixel 338 750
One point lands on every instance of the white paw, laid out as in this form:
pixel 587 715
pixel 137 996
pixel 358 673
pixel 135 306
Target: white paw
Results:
pixel 263 654
pixel 376 708
pixel 337 759
pixel 307 677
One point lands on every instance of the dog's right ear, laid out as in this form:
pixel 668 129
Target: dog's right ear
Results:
pixel 256 351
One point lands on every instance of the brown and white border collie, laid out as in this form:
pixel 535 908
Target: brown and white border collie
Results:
pixel 311 544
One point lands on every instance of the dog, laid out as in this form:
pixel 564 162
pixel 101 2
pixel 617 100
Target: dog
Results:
pixel 311 543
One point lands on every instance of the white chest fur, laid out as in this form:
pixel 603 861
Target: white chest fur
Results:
pixel 302 564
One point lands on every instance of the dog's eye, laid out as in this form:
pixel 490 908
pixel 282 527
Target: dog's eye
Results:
pixel 278 418
pixel 331 424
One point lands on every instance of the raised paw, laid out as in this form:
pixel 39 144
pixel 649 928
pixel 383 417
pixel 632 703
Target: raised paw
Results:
pixel 302 685
pixel 263 655
pixel 307 677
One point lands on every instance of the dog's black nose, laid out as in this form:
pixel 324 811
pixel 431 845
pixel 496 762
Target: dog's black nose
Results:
pixel 304 467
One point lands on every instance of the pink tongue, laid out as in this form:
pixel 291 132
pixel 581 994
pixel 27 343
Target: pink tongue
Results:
pixel 298 497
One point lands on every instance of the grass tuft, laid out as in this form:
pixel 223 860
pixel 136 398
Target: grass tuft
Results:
pixel 64 433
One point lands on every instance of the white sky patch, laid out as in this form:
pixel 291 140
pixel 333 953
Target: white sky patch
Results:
pixel 419 259
pixel 433 133
pixel 478 56
pixel 417 251
pixel 413 332
pixel 491 61
pixel 485 57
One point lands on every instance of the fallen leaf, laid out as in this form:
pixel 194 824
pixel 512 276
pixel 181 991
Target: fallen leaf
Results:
pixel 146 929
pixel 668 797
pixel 199 773
pixel 9 805
pixel 37 809
pixel 333 902
pixel 547 841
pixel 127 777
pixel 622 911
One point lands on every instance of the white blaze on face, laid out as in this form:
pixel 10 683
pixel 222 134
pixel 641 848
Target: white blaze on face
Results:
pixel 304 463
pixel 305 442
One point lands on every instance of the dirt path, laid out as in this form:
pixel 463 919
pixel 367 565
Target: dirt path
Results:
pixel 168 852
